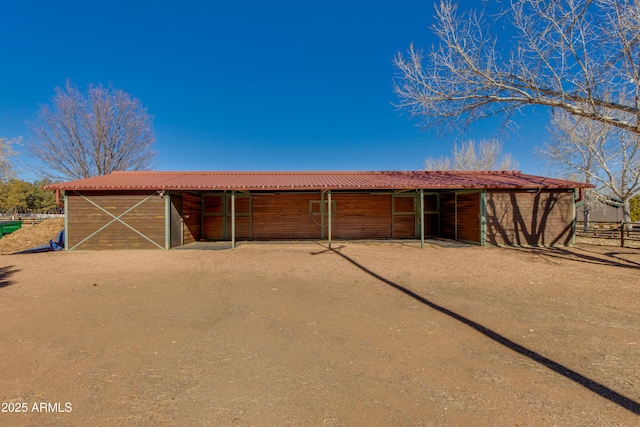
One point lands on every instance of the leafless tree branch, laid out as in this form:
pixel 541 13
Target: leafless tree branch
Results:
pixel 602 154
pixel 82 135
pixel 6 152
pixel 580 56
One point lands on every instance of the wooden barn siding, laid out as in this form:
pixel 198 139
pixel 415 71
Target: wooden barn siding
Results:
pixel 284 216
pixel 361 216
pixel 213 203
pixel 404 227
pixel 430 203
pixel 542 218
pixel 448 215
pixel 191 216
pixel 468 217
pixel 84 219
pixel 358 216
pixel 243 217
pixel 404 203
pixel 213 227
pixel 213 219
pixel 404 218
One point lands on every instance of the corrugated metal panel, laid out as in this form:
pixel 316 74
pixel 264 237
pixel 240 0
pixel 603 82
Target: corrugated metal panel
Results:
pixel 282 181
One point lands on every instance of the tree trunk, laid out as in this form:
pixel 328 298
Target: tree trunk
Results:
pixel 586 210
pixel 626 214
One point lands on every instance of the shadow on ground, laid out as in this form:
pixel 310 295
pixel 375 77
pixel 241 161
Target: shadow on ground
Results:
pixel 582 254
pixel 5 276
pixel 205 246
pixel 566 372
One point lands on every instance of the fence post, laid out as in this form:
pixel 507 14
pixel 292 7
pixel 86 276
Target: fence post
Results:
pixel 622 233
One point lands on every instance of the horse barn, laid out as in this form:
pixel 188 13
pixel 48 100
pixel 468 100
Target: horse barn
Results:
pixel 163 210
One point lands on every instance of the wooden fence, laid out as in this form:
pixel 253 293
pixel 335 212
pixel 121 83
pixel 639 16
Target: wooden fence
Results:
pixel 29 218
pixel 610 231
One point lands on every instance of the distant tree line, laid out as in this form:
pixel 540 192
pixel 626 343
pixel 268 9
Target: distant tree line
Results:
pixel 18 196
pixel 635 209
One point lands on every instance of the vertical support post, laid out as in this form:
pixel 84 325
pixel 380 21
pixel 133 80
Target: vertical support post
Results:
pixel 574 218
pixel 455 216
pixel 329 212
pixel 233 219
pixel 66 221
pixel 393 210
pixel 439 215
pixel 201 217
pixel 421 218
pixel 225 216
pixel 322 211
pixel 250 216
pixel 483 217
pixel 167 221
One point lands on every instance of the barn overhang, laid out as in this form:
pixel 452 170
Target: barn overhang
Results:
pixel 167 209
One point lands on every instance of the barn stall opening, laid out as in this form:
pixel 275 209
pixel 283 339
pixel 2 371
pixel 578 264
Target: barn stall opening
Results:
pixel 162 210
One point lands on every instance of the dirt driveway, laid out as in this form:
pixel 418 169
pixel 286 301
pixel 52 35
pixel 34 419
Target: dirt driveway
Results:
pixel 295 334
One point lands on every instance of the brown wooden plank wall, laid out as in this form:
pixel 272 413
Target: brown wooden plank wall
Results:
pixel 213 217
pixel 543 218
pixel 213 203
pixel 404 227
pixel 404 203
pixel 430 203
pixel 404 218
pixel 448 215
pixel 284 216
pixel 468 217
pixel 191 216
pixel 243 217
pixel 361 216
pixel 213 227
pixel 84 219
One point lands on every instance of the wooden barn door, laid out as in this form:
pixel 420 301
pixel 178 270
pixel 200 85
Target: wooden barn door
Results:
pixel 176 221
pixel 115 220
pixel 403 216
pixel 285 216
pixel 216 216
pixel 213 215
pixel 468 217
pixel 243 217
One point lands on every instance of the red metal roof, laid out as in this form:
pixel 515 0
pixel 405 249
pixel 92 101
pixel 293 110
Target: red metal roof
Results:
pixel 283 181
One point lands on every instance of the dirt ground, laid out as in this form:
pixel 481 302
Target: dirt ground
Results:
pixel 29 236
pixel 295 334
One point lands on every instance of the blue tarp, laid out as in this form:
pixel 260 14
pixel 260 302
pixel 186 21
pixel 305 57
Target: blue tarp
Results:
pixel 56 244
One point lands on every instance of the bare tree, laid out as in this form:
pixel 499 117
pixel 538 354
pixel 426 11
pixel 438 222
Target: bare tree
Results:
pixel 82 135
pixel 579 56
pixel 6 152
pixel 438 164
pixel 605 155
pixel 469 156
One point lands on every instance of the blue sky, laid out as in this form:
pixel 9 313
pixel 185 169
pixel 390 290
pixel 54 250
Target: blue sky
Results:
pixel 240 85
